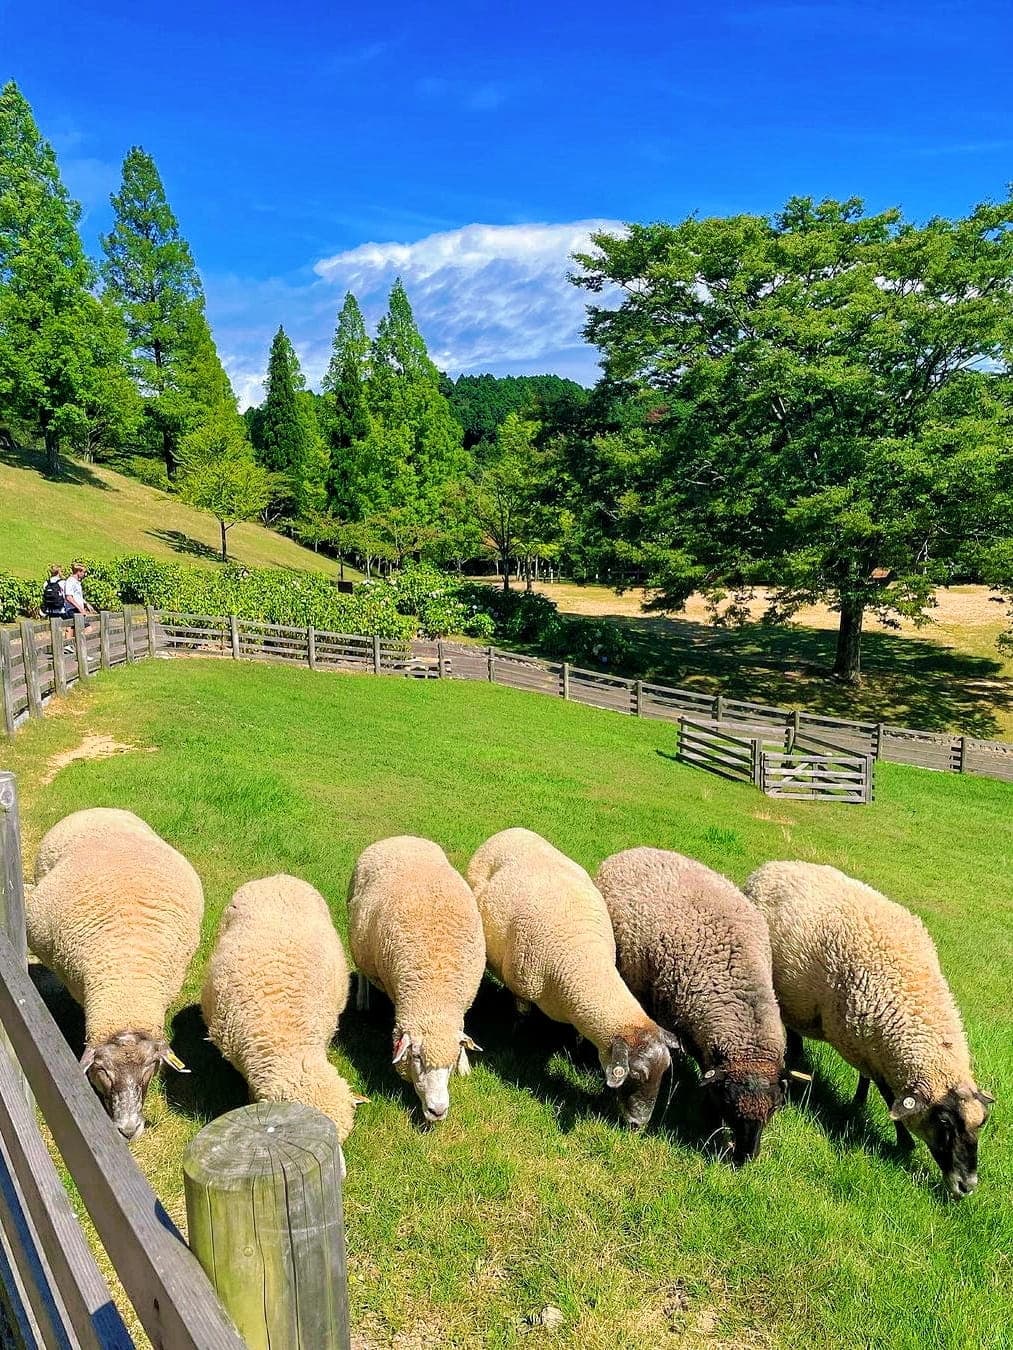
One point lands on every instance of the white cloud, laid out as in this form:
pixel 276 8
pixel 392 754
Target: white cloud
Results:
pixel 486 298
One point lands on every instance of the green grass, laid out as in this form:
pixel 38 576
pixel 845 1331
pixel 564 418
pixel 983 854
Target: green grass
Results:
pixel 531 1194
pixel 92 512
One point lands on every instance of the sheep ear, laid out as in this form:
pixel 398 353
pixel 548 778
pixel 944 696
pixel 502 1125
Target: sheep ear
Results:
pixel 359 1100
pixel 984 1098
pixel 799 1076
pixel 618 1067
pixel 672 1041
pixel 469 1044
pixel 907 1105
pixel 712 1077
pixel 168 1056
pixel 88 1058
pixel 401 1047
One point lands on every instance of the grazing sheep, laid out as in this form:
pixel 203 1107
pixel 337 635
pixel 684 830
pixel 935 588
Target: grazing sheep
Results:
pixel 549 939
pixel 415 933
pixel 275 986
pixel 856 970
pixel 116 914
pixel 697 954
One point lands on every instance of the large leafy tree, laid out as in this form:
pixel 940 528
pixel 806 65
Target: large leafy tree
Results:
pixel 59 347
pixel 823 405
pixel 481 404
pixel 218 473
pixel 505 499
pixel 149 268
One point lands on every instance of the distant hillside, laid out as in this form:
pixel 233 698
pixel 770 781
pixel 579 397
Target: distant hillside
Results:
pixel 95 513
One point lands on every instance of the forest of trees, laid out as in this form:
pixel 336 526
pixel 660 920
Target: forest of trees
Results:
pixel 818 402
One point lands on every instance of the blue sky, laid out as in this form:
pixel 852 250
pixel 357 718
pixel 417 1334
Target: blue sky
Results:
pixel 309 148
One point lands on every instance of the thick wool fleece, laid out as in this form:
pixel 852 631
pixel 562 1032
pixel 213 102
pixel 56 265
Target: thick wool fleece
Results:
pixel 858 971
pixel 549 938
pixel 118 919
pixel 415 933
pixel 276 984
pixel 94 825
pixel 696 952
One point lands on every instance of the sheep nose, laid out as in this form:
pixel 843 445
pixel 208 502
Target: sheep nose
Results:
pixel 962 1186
pixel 438 1112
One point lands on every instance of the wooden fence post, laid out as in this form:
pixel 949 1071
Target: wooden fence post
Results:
pixel 59 664
pixel 439 657
pixel 796 727
pixel 149 615
pixel 7 679
pixel 103 639
pixel 128 637
pixel 566 679
pixel 12 880
pixel 263 1205
pixel 376 653
pixel 638 697
pixel 311 647
pixel 880 728
pixel 490 664
pixel 962 762
pixel 719 708
pixel 81 647
pixel 234 634
pixel 31 660
pixel 757 765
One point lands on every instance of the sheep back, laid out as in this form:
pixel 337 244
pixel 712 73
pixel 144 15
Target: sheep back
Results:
pixel 93 825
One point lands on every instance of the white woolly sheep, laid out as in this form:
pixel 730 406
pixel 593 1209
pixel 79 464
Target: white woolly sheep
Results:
pixel 415 933
pixel 274 989
pixel 549 939
pixel 860 972
pixel 116 914
pixel 696 953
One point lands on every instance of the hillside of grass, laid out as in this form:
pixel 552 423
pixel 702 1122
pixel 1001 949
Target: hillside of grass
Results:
pixel 90 511
pixel 531 1194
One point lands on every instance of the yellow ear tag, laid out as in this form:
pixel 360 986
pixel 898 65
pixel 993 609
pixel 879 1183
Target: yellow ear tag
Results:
pixel 174 1062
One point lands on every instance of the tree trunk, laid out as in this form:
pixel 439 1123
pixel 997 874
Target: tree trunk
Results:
pixel 506 574
pixel 169 454
pixel 52 453
pixel 528 574
pixel 848 662
pixel 225 546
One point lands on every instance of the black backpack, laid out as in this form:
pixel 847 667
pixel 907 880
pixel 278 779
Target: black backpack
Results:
pixel 52 597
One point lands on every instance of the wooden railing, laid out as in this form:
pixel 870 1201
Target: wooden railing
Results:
pixel 52 1292
pixel 41 659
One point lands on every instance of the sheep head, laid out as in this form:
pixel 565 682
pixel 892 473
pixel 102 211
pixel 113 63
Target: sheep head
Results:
pixel 427 1061
pixel 635 1065
pixel 121 1069
pixel 949 1124
pixel 748 1093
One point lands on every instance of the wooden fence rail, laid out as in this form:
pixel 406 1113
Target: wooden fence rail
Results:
pixel 40 660
pixel 52 1293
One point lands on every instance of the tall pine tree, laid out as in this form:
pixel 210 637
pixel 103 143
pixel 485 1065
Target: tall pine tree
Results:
pixel 149 268
pixel 287 436
pixel 59 348
pixel 347 418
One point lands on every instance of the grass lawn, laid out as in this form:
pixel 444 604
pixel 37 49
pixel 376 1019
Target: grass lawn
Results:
pixel 93 512
pixel 947 676
pixel 531 1194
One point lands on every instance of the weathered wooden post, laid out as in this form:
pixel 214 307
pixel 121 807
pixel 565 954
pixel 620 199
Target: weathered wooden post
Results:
pixel 30 658
pixel 638 697
pixel 796 727
pixel 311 647
pixel 103 639
pixel 962 760
pixel 59 664
pixel 566 679
pixel 81 648
pixel 264 1214
pixel 439 658
pixel 234 635
pixel 880 728
pixel 128 637
pixel 757 764
pixel 149 615
pixel 490 664
pixel 719 708
pixel 376 653
pixel 7 679
pixel 12 880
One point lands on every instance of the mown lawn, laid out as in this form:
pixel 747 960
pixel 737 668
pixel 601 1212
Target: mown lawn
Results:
pixel 530 1194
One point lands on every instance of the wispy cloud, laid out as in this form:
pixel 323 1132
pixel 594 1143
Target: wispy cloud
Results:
pixel 486 298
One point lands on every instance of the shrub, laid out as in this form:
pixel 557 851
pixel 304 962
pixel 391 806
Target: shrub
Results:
pixel 520 616
pixel 18 598
pixel 590 643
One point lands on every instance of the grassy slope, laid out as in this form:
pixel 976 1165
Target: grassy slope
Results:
pixel 95 513
pixel 530 1194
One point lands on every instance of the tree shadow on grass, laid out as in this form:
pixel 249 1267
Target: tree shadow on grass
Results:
pixel 908 681
pixel 71 470
pixel 185 543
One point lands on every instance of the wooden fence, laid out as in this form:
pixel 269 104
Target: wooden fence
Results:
pixel 52 1292
pixel 41 659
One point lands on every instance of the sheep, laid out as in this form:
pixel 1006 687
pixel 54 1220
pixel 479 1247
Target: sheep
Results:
pixel 860 972
pixel 549 939
pixel 273 992
pixel 697 954
pixel 116 914
pixel 415 933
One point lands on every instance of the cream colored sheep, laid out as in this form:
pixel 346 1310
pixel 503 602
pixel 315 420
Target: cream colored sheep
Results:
pixel 697 954
pixel 549 938
pixel 858 971
pixel 116 914
pixel 415 933
pixel 275 986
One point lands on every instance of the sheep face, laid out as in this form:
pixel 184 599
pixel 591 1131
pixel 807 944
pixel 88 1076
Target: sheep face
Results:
pixel 950 1127
pixel 635 1066
pixel 431 1081
pixel 747 1096
pixel 121 1069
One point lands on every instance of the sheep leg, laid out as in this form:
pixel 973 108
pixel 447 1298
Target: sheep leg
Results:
pixel 862 1091
pixel 793 1048
pixel 523 1007
pixel 905 1139
pixel 362 992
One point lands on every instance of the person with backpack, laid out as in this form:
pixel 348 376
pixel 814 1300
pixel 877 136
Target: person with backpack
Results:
pixel 53 602
pixel 73 596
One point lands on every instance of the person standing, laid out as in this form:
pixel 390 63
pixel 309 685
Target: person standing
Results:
pixel 53 602
pixel 73 593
